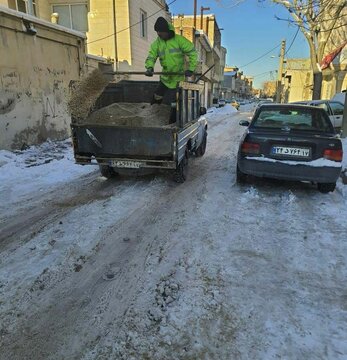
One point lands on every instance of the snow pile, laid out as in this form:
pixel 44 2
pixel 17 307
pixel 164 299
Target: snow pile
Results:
pixel 6 157
pixel 36 169
pixel 225 110
pixel 248 107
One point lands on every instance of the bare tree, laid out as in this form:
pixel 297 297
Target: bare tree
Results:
pixel 319 21
pixel 323 23
pixel 269 89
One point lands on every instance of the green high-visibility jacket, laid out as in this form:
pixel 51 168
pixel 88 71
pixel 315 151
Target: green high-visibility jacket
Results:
pixel 171 55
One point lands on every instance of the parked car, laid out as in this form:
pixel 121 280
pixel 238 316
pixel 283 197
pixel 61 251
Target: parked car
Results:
pixel 235 104
pixel 221 102
pixel 290 142
pixel 215 102
pixel 340 97
pixel 262 102
pixel 333 108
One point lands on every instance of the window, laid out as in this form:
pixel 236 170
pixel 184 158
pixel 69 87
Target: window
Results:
pixel 143 24
pixel 322 106
pixel 336 108
pixel 293 119
pixel 21 5
pixel 73 16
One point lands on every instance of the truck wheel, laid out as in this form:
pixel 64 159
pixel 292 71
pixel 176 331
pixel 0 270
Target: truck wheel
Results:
pixel 240 176
pixel 106 171
pixel 200 151
pixel 326 187
pixel 180 175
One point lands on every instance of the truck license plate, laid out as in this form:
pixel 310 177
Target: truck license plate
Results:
pixel 290 151
pixel 126 164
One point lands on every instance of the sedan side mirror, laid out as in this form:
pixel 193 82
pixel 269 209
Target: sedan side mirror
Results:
pixel 244 123
pixel 203 110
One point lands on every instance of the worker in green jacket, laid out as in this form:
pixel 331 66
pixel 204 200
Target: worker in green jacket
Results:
pixel 171 50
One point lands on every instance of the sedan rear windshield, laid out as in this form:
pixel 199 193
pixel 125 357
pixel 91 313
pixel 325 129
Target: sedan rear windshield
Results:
pixel 293 119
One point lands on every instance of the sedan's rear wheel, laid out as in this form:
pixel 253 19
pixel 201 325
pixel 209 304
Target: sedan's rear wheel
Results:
pixel 240 176
pixel 326 187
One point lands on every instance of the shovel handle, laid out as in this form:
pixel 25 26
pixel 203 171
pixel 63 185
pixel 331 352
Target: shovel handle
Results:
pixel 143 73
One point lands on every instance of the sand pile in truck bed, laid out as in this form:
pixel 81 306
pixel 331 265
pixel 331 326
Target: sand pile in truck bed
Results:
pixel 131 114
pixel 85 93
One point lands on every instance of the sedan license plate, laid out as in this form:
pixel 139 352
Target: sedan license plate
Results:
pixel 291 151
pixel 126 164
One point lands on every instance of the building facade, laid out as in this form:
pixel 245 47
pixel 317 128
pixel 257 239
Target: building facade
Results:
pixel 207 39
pixel 298 80
pixel 236 84
pixel 118 30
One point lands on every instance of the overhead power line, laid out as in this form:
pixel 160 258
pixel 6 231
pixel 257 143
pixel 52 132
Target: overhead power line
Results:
pixel 260 57
pixel 266 72
pixel 291 44
pixel 129 27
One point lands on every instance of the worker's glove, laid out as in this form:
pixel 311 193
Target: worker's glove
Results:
pixel 188 73
pixel 149 72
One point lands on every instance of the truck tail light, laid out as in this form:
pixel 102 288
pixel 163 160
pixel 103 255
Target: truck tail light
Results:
pixel 250 148
pixel 335 155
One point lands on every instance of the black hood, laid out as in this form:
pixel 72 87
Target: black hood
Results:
pixel 162 25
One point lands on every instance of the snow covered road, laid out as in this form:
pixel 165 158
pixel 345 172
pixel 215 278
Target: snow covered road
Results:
pixel 147 269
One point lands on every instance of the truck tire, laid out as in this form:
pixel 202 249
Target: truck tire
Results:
pixel 180 174
pixel 326 187
pixel 200 151
pixel 106 171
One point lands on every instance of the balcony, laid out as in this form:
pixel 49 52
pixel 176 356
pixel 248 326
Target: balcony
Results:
pixel 217 52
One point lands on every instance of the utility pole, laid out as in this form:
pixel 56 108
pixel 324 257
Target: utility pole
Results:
pixel 115 34
pixel 195 10
pixel 280 73
pixel 202 16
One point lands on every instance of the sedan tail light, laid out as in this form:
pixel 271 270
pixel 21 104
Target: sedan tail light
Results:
pixel 250 148
pixel 335 155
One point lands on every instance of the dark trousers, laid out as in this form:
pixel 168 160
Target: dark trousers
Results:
pixel 165 95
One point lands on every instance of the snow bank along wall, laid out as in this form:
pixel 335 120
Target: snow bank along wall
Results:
pixel 38 60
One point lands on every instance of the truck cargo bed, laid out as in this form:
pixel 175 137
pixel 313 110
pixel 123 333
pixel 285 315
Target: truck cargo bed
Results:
pixel 155 143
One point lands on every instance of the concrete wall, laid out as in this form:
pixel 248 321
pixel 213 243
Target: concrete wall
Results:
pixel 35 73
